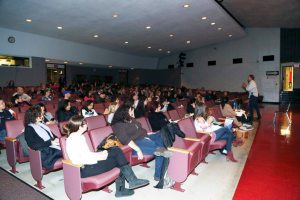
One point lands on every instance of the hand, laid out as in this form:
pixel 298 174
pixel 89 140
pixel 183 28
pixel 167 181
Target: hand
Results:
pixel 244 85
pixel 103 155
pixel 131 112
pixel 55 142
pixel 140 155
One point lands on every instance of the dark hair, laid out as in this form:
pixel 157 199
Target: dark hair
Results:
pixel 39 105
pixel 153 106
pixel 200 111
pixel 86 104
pixel 121 115
pixel 224 100
pixel 31 114
pixel 64 104
pixel 251 76
pixel 73 124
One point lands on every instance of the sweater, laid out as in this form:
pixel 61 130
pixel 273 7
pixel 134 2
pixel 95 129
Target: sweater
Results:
pixel 34 141
pixel 157 120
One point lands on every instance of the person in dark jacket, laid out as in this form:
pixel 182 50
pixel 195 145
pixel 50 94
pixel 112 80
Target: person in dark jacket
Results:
pixel 156 118
pixel 65 111
pixel 138 105
pixel 39 137
pixel 5 115
pixel 130 133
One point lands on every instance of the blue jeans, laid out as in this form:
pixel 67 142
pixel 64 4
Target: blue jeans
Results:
pixel 148 145
pixel 225 134
pixel 3 134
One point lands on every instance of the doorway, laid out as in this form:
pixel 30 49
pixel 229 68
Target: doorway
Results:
pixel 55 72
pixel 287 78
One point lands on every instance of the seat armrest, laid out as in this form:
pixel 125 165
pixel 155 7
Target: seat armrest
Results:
pixel 193 139
pixel 179 150
pixel 69 162
pixel 10 139
pixel 221 119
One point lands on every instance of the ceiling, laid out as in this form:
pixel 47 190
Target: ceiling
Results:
pixel 265 13
pixel 82 19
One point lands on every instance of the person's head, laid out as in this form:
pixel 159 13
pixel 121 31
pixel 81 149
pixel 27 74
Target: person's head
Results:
pixel 88 105
pixel 75 124
pixel 224 100
pixel 251 77
pixel 225 93
pixel 47 92
pixel 42 107
pixel 66 105
pixel 135 96
pixel 33 115
pixel 121 114
pixel 200 111
pixel 20 90
pixel 67 94
pixel 2 104
pixel 154 106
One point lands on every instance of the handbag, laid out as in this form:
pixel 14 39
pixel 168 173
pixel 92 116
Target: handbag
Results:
pixel 108 142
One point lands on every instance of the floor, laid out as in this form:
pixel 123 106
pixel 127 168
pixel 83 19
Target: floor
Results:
pixel 216 180
pixel 272 169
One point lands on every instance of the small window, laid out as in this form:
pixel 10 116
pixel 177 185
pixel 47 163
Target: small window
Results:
pixel 189 64
pixel 237 60
pixel 268 58
pixel 14 61
pixel 211 63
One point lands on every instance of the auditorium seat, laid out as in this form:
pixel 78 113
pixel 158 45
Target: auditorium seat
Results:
pixel 145 123
pixel 95 122
pixel 174 115
pixel 181 112
pixel 55 130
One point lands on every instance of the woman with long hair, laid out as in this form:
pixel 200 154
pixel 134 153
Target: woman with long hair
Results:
pixel 88 109
pixel 65 111
pixel 204 124
pixel 99 162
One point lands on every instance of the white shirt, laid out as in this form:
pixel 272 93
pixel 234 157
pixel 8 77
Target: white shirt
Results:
pixel 88 113
pixel 252 88
pixel 78 150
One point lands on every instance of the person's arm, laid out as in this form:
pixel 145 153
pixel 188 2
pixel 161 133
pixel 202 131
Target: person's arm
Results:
pixel 95 113
pixel 250 86
pixel 139 152
pixel 34 141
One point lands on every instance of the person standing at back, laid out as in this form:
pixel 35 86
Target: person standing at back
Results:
pixel 251 87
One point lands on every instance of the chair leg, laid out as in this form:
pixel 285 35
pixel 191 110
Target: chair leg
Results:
pixel 14 169
pixel 106 189
pixel 177 187
pixel 39 185
pixel 194 173
pixel 145 165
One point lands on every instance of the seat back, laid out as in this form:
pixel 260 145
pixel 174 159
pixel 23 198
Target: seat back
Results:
pixel 62 142
pixel 98 135
pixel 95 122
pixel 145 123
pixel 35 164
pixel 167 115
pixel 55 130
pixel 99 107
pixel 181 112
pixel 61 124
pixel 72 180
pixel 174 115
pixel 187 126
pixel 14 128
pixel 215 111
pixel 209 103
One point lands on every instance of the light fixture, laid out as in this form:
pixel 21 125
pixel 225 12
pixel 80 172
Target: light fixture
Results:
pixel 115 15
pixel 213 23
pixel 149 47
pixel 95 36
pixel 110 66
pixel 60 27
pixel 159 49
pixel 132 68
pixel 126 42
pixel 55 71
pixel 47 60
pixel 188 42
pixel 204 18
pixel 230 35
pixel 80 63
pixel 28 20
pixel 171 35
pixel 219 28
pixel 186 5
pixel 65 62
pixel 148 27
pixel 168 51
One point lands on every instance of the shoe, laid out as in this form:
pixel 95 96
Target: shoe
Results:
pixel 243 128
pixel 168 182
pixel 230 157
pixel 121 191
pixel 223 152
pixel 131 178
pixel 163 152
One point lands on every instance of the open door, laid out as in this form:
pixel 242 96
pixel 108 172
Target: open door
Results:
pixel 287 78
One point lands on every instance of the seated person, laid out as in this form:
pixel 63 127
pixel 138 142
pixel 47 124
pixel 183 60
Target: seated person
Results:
pixel 65 111
pixel 47 96
pixel 5 115
pixel 39 137
pixel 138 105
pixel 156 118
pixel 47 116
pixel 190 108
pixel 99 162
pixel 89 96
pixel 20 94
pixel 88 109
pixel 239 121
pixel 130 133
pixel 203 124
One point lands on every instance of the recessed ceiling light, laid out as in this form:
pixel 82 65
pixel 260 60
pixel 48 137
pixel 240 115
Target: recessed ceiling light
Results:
pixel 168 51
pixel 132 68
pixel 188 42
pixel 186 5
pixel 171 35
pixel 126 42
pixel 47 60
pixel 159 49
pixel 28 20
pixel 110 66
pixel 95 36
pixel 80 63
pixel 115 15
pixel 149 47
pixel 213 23
pixel 204 18
pixel 219 28
pixel 148 27
pixel 65 62
pixel 59 27
pixel 229 35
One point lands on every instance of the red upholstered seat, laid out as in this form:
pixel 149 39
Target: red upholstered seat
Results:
pixel 145 123
pixel 181 112
pixel 55 130
pixel 95 122
pixel 174 115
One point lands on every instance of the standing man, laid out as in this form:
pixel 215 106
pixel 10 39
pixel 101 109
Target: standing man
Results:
pixel 251 87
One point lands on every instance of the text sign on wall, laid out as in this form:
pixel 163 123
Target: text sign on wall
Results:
pixel 272 73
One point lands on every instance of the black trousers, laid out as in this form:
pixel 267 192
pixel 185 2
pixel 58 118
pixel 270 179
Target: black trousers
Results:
pixel 253 104
pixel 114 159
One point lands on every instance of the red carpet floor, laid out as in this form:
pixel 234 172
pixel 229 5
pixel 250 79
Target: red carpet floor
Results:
pixel 272 170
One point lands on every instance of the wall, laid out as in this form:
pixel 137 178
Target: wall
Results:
pixel 228 76
pixel 28 44
pixel 25 76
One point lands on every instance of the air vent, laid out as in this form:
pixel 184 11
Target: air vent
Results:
pixel 237 60
pixel 189 64
pixel 170 66
pixel 211 63
pixel 268 58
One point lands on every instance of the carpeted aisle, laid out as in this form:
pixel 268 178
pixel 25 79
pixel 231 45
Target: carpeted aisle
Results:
pixel 272 169
pixel 11 188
